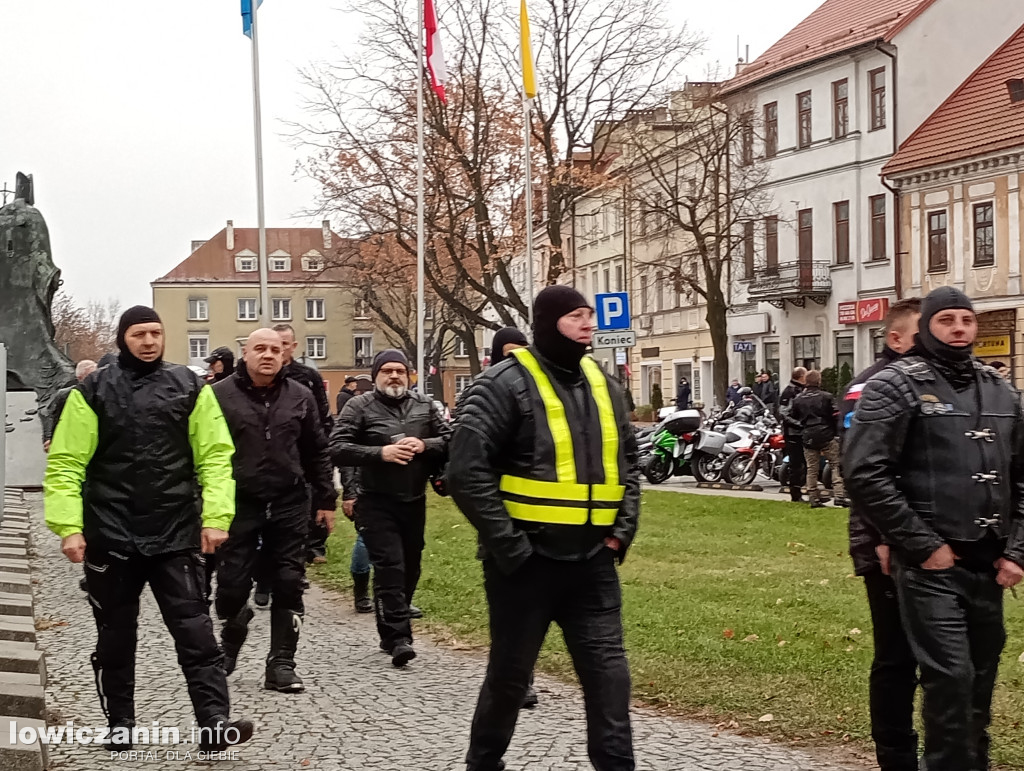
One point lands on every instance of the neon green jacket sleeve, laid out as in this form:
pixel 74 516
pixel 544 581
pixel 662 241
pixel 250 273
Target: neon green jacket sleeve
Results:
pixel 74 442
pixel 212 450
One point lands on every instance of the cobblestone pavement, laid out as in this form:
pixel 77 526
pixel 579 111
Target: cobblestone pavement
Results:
pixel 358 713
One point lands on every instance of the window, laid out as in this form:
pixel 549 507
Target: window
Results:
pixel 361 309
pixel 877 203
pixel 643 295
pixel 659 295
pixel 840 109
pixel 876 79
pixel 363 350
pixel 198 309
pixel 747 141
pixel 316 347
pixel 606 279
pixel 937 241
pixel 771 130
pixel 984 236
pixel 748 363
pixel 428 311
pixel 807 351
pixel 842 218
pixel 315 310
pixel 247 309
pixel 198 347
pixel 805 235
pixel 748 250
pixel 246 264
pixel 281 309
pixel 312 264
pixel 279 264
pixel 462 383
pixel 771 357
pixel 844 358
pixel 461 349
pixel 1016 89
pixel 803 120
pixel 771 244
pixel 618 277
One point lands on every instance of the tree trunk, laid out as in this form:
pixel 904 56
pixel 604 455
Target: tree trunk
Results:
pixel 717 321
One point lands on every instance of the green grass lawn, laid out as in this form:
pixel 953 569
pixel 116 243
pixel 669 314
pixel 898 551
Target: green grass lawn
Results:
pixel 734 610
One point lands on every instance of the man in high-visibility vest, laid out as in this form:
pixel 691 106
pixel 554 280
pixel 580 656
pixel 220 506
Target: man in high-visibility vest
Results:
pixel 543 464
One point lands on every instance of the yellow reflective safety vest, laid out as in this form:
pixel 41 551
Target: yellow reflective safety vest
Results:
pixel 576 477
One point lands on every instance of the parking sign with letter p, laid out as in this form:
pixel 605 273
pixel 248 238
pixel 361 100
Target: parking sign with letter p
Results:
pixel 612 311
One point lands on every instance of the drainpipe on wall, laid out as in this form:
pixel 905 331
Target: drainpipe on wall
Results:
pixel 897 205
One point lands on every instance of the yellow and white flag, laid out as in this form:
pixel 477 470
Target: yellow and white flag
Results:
pixel 526 53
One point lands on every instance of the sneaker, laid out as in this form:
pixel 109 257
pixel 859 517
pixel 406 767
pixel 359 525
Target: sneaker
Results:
pixel 217 734
pixel 117 740
pixel 415 612
pixel 402 654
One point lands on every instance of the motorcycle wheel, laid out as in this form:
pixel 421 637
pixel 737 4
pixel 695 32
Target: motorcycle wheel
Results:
pixel 658 469
pixel 740 470
pixel 708 468
pixel 826 476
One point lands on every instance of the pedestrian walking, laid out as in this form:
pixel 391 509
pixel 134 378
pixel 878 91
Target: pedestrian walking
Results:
pixel 934 460
pixel 543 464
pixel 222 364
pixel 765 390
pixel 280 463
pixel 893 679
pixel 732 394
pixel 138 486
pixel 397 439
pixel 792 434
pixel 814 410
pixel 346 392
pixel 683 394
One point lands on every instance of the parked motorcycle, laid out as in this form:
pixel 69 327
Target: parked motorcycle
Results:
pixel 764 456
pixel 671 446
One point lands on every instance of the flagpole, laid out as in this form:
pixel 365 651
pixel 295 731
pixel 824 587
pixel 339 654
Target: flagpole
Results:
pixel 420 236
pixel 529 209
pixel 260 215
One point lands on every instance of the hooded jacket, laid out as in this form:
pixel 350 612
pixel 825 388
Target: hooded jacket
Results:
pixel 130 456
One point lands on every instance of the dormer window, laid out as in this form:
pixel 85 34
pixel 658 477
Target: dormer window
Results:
pixel 246 264
pixel 280 264
pixel 1016 89
pixel 312 264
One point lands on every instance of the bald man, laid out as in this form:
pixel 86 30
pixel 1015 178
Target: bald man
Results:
pixel 281 453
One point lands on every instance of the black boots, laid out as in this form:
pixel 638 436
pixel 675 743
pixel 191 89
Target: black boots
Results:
pixel 120 736
pixel 402 654
pixel 233 635
pixel 217 733
pixel 285 626
pixel 361 590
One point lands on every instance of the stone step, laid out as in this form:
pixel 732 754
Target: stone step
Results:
pixel 22 678
pixel 17 628
pixel 9 552
pixel 14 541
pixel 15 583
pixel 22 657
pixel 15 604
pixel 17 756
pixel 9 565
pixel 23 700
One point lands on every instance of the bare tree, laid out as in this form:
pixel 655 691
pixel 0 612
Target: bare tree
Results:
pixel 85 332
pixel 696 189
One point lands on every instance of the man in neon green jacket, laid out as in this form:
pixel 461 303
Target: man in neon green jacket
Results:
pixel 139 486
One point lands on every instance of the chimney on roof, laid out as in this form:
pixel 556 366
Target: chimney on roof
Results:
pixel 231 235
pixel 326 227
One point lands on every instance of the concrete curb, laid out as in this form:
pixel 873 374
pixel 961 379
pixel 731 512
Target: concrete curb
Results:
pixel 22 662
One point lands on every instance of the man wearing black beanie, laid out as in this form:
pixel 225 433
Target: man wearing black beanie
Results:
pixel 935 458
pixel 543 464
pixel 139 486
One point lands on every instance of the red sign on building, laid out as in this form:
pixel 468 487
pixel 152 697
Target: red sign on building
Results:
pixel 863 311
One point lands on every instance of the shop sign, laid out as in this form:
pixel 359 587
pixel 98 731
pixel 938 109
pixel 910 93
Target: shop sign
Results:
pixel 996 345
pixel 863 311
pixel 848 313
pixel 744 346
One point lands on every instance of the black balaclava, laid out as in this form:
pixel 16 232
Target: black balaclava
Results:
pixel 502 338
pixel 551 304
pixel 138 314
pixel 955 363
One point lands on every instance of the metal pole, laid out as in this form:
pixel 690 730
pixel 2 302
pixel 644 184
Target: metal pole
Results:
pixel 260 216
pixel 529 211
pixel 420 235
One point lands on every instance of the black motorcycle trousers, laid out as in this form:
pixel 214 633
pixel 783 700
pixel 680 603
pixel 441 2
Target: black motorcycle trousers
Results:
pixel 177 580
pixel 893 680
pixel 797 465
pixel 393 533
pixel 281 558
pixel 954 621
pixel 585 600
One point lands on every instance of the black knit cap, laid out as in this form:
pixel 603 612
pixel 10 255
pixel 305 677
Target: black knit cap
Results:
pixel 551 304
pixel 502 338
pixel 389 356
pixel 138 314
pixel 942 299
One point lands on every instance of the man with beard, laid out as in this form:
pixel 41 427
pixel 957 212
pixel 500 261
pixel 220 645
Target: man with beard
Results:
pixel 935 457
pixel 280 449
pixel 134 445
pixel 543 464
pixel 222 364
pixel 893 679
pixel 397 439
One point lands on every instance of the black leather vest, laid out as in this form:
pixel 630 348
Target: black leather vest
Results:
pixel 955 468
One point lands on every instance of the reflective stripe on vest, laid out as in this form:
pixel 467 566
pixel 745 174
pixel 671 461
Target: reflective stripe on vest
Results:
pixel 537 500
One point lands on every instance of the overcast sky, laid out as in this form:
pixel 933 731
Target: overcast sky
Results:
pixel 136 118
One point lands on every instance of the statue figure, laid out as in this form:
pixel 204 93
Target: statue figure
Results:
pixel 28 282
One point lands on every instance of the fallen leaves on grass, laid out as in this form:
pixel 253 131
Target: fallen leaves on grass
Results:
pixel 728 634
pixel 751 638
pixel 766 718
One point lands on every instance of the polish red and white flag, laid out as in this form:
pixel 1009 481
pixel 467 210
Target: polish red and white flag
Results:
pixel 435 53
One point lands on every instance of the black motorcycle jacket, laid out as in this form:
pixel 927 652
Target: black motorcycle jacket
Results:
pixel 373 420
pixel 929 464
pixel 790 427
pixel 310 378
pixel 498 433
pixel 280 447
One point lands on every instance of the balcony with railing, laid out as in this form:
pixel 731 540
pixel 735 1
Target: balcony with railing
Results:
pixel 795 282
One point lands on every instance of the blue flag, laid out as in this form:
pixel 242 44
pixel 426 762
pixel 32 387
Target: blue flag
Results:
pixel 247 16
